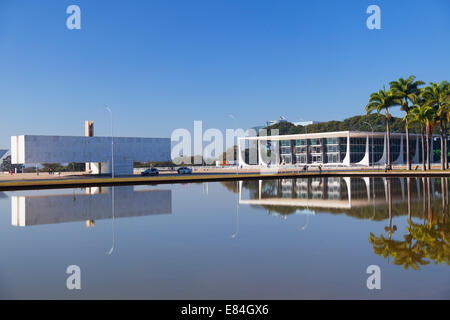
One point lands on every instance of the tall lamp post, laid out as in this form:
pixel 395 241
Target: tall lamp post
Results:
pixel 112 141
pixel 237 143
pixel 112 175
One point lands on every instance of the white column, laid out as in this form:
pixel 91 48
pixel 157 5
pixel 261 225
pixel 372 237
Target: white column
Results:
pixel 275 153
pixel 366 160
pixel 346 160
pixel 260 155
pixel 400 158
pixel 238 151
pixel 382 161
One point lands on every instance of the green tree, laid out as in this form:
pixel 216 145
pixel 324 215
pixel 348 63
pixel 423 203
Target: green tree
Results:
pixel 419 113
pixel 407 90
pixel 382 101
pixel 436 96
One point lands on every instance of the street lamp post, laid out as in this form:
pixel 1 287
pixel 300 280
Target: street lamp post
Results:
pixel 112 141
pixel 237 143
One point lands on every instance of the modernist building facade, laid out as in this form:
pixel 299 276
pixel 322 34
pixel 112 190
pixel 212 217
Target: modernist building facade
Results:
pixel 343 148
pixel 96 152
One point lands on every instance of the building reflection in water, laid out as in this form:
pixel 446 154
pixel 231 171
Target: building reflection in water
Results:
pixel 353 196
pixel 423 201
pixel 91 205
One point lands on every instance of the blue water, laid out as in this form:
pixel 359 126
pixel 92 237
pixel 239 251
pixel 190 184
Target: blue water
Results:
pixel 204 241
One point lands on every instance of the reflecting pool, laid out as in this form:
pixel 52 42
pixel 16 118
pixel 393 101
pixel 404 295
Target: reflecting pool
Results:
pixel 256 239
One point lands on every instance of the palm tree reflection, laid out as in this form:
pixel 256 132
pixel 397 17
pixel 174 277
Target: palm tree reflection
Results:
pixel 424 243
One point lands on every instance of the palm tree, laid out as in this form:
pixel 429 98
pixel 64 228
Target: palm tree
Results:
pixel 436 96
pixel 406 90
pixel 382 101
pixel 430 123
pixel 419 113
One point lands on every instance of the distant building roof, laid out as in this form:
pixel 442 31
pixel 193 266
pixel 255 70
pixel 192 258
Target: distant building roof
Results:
pixel 305 123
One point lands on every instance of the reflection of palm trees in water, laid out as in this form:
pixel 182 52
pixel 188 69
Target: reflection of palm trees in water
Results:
pixel 391 229
pixel 386 246
pixel 425 242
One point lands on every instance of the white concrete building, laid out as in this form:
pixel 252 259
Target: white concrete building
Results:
pixel 96 152
pixel 342 148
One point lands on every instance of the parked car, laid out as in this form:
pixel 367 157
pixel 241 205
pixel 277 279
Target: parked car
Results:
pixel 150 172
pixel 184 170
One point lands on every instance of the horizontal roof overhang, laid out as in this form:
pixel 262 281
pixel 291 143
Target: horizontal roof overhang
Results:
pixel 336 134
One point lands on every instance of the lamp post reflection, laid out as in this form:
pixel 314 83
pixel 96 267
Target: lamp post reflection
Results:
pixel 113 216
pixel 238 185
pixel 305 225
pixel 112 140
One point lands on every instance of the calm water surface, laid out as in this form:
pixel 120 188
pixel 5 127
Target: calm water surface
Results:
pixel 268 239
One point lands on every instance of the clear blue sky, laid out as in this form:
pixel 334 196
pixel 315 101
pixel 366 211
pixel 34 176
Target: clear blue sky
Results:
pixel 162 64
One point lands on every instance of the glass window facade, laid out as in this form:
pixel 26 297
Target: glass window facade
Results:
pixel 334 150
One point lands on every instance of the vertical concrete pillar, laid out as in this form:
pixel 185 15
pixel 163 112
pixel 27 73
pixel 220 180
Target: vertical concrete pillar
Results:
pixel 400 158
pixel 88 132
pixel 383 159
pixel 261 161
pixel 238 151
pixel 347 159
pixel 366 160
pixel 240 155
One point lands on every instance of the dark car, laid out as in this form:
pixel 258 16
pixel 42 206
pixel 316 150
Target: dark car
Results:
pixel 150 172
pixel 184 170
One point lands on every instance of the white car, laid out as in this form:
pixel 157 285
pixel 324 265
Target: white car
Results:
pixel 184 170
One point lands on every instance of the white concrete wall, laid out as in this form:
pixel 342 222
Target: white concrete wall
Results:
pixel 47 149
